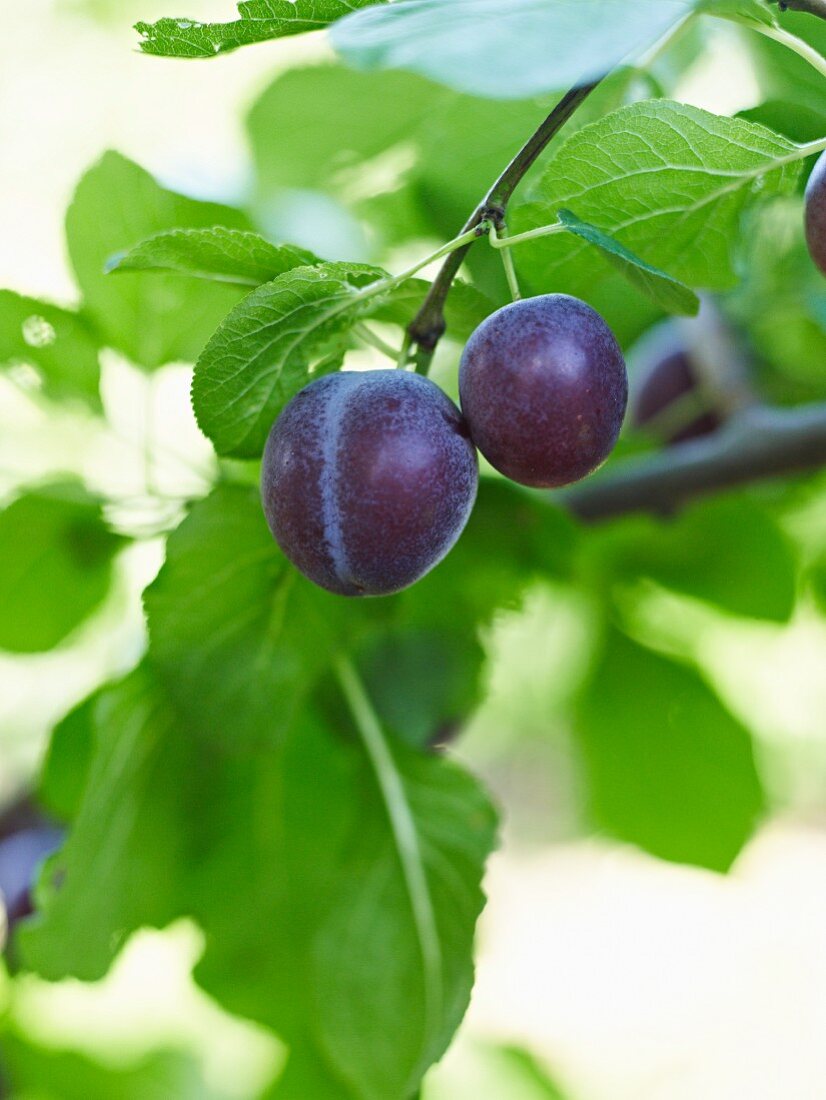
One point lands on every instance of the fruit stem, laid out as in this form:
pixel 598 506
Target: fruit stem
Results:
pixel 428 326
pixel 528 235
pixel 373 340
pixel 404 829
pixel 507 262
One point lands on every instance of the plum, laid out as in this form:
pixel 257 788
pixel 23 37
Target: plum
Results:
pixel 368 480
pixel 668 380
pixel 543 388
pixel 20 856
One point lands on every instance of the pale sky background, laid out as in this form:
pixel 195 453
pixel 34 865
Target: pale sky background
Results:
pixel 634 979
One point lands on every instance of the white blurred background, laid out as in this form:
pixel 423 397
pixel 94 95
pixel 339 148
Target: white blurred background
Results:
pixel 631 978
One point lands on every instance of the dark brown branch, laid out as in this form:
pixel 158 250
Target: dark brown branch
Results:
pixel 757 443
pixel 811 7
pixel 428 326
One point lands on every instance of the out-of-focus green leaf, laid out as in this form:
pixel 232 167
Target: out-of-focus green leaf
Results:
pixel 668 293
pixel 817 578
pixel 151 319
pixel 506 52
pixel 785 75
pixel 55 566
pixel 665 766
pixel 700 172
pixel 786 117
pixel 741 11
pixel 729 552
pixel 58 342
pixel 40 1072
pixel 780 304
pixel 260 21
pixel 122 865
pixel 353 118
pixel 367 969
pixel 264 351
pixel 287 860
pixel 223 255
pixel 489 1072
pixel 424 683
pixel 68 759
pixel 236 634
pixel 307 1074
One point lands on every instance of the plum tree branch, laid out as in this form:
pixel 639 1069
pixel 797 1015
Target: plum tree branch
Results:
pixel 759 442
pixel 428 326
pixel 811 7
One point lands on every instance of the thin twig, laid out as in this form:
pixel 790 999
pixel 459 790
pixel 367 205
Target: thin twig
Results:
pixel 428 326
pixel 758 443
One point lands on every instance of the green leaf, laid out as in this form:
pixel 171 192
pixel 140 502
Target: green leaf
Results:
pixel 786 117
pixel 505 51
pixel 236 634
pixel 279 854
pixel 780 304
pixel 223 255
pixel 424 663
pixel 50 1074
pixel 368 968
pixel 265 350
pixel 353 118
pixel 151 319
pixel 68 759
pixel 55 566
pixel 490 1072
pixel 740 11
pixel 730 552
pixel 424 683
pixel 783 74
pixel 57 342
pixel 260 20
pixel 668 181
pixel 665 765
pixel 669 293
pixel 121 866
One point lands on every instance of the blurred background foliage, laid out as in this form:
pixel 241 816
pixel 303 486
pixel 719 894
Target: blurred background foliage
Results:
pixel 648 683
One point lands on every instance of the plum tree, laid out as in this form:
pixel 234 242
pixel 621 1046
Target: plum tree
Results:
pixel 368 480
pixel 816 213
pixel 669 399
pixel 543 387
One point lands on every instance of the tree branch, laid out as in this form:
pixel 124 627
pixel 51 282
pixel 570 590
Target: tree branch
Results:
pixel 757 443
pixel 428 326
pixel 811 7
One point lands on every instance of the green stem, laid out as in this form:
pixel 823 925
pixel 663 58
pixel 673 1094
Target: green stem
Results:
pixel 458 243
pixel 529 235
pixel 372 340
pixel 405 833
pixel 404 355
pixel 792 42
pixel 507 263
